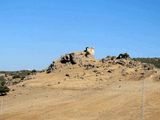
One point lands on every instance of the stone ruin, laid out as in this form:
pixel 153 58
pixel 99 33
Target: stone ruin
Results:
pixel 86 59
pixel 76 57
pixel 73 58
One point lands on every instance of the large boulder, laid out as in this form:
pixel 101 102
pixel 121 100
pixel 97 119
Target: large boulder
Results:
pixel 123 56
pixel 70 58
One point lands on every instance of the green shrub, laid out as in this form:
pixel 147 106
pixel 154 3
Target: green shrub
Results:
pixel 3 88
pixel 16 76
pixel 154 61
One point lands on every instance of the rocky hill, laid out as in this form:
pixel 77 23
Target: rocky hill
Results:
pixel 82 67
pixel 77 86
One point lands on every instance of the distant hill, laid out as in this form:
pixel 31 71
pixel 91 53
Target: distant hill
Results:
pixel 154 61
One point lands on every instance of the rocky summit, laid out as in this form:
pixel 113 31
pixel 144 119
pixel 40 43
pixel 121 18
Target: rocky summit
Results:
pixel 118 67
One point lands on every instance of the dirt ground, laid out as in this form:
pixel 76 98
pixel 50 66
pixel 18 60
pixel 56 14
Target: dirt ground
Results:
pixel 44 98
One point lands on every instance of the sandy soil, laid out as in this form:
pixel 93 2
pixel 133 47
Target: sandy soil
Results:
pixel 84 95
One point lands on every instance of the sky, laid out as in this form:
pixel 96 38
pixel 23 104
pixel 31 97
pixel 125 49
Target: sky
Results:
pixel 33 33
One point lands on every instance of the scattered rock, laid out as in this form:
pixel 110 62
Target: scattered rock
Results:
pixel 109 59
pixel 95 71
pixel 12 89
pixel 23 85
pixel 81 77
pixel 148 66
pixel 67 75
pixel 109 71
pixel 89 66
pixel 121 62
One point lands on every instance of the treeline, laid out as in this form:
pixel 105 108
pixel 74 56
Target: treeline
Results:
pixel 19 74
pixel 154 61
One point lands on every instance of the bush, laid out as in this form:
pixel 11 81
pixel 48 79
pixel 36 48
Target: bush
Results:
pixel 2 81
pixel 154 61
pixel 16 76
pixel 34 72
pixel 3 88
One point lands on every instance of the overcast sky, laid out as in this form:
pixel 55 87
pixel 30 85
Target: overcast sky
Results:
pixel 35 32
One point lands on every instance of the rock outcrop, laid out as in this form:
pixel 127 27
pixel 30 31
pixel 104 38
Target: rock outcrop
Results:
pixel 73 58
pixel 85 59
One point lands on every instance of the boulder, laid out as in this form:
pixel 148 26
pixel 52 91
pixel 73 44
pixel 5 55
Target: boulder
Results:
pixel 123 56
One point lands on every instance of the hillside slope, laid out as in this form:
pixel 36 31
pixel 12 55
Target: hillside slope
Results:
pixel 108 89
